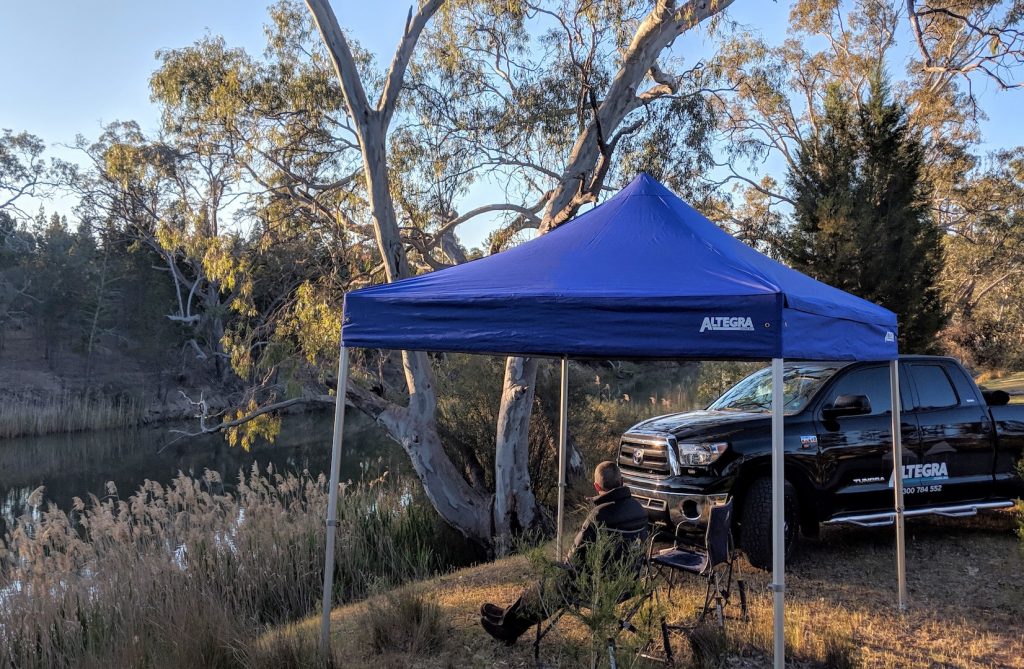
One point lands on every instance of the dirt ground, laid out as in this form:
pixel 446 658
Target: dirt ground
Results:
pixel 966 607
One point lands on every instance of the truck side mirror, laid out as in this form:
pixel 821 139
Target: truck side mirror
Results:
pixel 847 405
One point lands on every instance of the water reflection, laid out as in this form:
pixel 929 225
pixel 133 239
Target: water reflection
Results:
pixel 79 464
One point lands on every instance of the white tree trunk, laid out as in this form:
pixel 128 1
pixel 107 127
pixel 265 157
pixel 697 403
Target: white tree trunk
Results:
pixel 514 503
pixel 414 427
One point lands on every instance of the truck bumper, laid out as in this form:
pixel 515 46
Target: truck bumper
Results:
pixel 690 505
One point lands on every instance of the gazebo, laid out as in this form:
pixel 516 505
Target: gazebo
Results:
pixel 642 276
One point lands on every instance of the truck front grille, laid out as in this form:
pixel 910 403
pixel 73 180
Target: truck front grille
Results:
pixel 644 454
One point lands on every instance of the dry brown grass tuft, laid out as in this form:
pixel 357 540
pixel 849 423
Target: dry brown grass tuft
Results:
pixel 967 602
pixel 404 622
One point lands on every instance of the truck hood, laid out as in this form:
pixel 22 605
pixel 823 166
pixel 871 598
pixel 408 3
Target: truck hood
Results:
pixel 691 423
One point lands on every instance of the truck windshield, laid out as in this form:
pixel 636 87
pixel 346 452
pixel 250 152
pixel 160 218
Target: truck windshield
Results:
pixel 754 393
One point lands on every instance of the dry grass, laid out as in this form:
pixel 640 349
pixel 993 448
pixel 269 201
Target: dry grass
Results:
pixel 65 412
pixel 967 606
pixel 1011 382
pixel 188 575
pixel 404 622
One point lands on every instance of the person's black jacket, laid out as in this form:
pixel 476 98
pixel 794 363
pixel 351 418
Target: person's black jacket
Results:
pixel 615 511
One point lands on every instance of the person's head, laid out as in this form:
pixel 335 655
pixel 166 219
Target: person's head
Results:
pixel 607 477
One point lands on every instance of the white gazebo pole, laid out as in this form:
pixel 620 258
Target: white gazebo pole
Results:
pixel 332 499
pixel 778 513
pixel 563 430
pixel 897 483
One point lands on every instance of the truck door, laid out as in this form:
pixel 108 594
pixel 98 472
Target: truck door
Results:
pixel 855 452
pixel 957 454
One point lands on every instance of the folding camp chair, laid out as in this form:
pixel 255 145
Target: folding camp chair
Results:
pixel 713 561
pixel 630 601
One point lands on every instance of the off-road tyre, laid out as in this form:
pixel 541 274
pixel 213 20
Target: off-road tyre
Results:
pixel 756 522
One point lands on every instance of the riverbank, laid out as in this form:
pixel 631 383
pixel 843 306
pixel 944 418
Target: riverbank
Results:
pixel 62 390
pixel 967 603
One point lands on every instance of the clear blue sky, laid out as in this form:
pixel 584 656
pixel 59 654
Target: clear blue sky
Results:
pixel 71 66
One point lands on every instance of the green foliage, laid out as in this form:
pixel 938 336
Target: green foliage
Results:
pixel 469 394
pixel 861 220
pixel 598 592
pixel 981 280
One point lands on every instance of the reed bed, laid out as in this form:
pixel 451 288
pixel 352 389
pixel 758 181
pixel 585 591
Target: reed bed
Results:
pixel 189 575
pixel 66 412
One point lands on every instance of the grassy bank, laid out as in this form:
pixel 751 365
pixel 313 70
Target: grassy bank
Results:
pixel 967 604
pixel 65 412
pixel 188 575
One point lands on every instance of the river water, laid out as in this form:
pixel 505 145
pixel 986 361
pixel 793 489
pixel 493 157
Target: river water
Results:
pixel 80 463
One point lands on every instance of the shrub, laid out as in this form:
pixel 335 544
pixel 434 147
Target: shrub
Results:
pixel 598 592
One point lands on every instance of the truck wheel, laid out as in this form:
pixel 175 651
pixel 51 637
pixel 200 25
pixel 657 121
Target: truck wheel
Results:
pixel 756 522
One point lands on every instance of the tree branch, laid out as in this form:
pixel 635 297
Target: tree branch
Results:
pixel 396 73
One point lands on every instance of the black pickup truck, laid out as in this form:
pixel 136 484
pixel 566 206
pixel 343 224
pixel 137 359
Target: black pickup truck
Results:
pixel 960 450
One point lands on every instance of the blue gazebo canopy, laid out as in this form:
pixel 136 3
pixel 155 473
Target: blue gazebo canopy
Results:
pixel 643 275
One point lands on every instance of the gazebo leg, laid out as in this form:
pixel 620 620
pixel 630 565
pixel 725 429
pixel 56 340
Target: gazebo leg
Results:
pixel 897 484
pixel 778 512
pixel 332 499
pixel 563 429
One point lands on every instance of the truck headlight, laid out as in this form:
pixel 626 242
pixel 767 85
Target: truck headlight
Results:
pixel 700 455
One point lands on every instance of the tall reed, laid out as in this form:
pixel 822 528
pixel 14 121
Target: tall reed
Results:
pixel 66 412
pixel 188 575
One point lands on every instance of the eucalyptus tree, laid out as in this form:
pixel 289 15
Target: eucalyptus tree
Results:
pixel 24 172
pixel 597 74
pixel 983 279
pixel 171 196
pixel 559 102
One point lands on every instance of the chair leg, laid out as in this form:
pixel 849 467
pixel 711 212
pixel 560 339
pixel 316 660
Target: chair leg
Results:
pixel 707 598
pixel 611 654
pixel 666 642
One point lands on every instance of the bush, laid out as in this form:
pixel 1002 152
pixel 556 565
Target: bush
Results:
pixel 598 592
pixel 186 574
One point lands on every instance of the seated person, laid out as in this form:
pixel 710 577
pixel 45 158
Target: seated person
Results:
pixel 614 511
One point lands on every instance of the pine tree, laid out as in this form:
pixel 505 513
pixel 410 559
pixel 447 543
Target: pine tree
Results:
pixel 861 220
